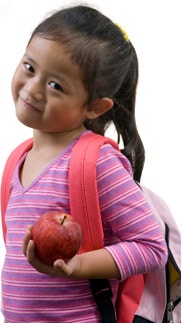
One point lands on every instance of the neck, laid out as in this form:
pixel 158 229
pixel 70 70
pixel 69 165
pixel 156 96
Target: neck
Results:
pixel 63 139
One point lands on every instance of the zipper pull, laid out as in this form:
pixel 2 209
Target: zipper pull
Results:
pixel 170 306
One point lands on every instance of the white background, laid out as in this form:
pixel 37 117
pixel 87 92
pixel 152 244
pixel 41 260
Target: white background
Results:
pixel 154 27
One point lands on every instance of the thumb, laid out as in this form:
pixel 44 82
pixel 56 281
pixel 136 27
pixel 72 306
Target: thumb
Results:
pixel 63 268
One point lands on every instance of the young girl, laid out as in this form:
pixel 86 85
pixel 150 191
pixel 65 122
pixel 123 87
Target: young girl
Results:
pixel 78 74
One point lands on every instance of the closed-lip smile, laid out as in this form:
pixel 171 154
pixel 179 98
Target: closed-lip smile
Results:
pixel 30 106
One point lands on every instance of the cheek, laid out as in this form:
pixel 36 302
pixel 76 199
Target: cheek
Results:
pixel 67 118
pixel 15 85
pixel 77 114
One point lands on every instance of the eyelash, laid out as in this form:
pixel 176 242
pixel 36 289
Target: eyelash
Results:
pixel 28 67
pixel 56 86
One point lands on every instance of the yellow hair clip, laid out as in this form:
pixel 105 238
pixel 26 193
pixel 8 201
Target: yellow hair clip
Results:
pixel 125 35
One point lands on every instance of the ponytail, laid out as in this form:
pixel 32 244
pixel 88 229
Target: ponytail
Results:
pixel 123 117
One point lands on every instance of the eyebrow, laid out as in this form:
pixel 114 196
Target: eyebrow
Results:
pixel 62 76
pixel 29 58
pixel 54 74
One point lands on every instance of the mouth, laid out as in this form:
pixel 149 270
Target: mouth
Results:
pixel 29 106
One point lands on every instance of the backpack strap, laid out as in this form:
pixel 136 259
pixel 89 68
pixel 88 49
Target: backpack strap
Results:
pixel 9 168
pixel 102 294
pixel 84 205
pixel 83 188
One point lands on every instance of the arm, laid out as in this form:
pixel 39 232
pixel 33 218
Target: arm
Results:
pixel 137 244
pixel 93 264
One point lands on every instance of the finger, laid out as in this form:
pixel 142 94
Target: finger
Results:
pixel 30 251
pixel 59 263
pixel 36 262
pixel 63 268
pixel 26 239
pixel 32 257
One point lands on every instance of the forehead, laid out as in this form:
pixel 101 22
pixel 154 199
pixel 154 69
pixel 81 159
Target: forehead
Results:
pixel 52 54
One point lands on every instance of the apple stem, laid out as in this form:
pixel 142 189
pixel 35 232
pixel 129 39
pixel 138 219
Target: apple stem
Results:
pixel 64 217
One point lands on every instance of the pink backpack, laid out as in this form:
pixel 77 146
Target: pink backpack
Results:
pixel 154 297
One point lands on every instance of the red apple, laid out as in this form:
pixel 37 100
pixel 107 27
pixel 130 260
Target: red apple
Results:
pixel 57 235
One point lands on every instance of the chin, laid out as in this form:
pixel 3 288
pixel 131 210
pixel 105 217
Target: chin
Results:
pixel 25 121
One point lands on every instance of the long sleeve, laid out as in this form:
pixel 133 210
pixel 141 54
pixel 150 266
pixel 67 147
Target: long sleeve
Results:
pixel 138 245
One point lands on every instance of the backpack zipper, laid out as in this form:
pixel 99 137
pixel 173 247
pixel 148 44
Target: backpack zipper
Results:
pixel 170 307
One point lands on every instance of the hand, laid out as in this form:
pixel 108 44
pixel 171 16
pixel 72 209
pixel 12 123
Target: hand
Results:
pixel 59 268
pixel 92 264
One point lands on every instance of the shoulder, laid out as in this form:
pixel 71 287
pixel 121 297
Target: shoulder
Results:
pixel 109 157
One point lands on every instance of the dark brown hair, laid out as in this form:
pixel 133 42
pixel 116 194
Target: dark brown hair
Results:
pixel 110 66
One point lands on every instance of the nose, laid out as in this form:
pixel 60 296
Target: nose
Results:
pixel 35 88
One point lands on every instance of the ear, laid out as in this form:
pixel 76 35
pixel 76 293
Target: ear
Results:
pixel 99 107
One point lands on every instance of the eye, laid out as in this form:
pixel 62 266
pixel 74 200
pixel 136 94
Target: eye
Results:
pixel 29 67
pixel 56 86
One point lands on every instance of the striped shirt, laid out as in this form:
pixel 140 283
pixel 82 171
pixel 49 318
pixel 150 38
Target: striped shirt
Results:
pixel 131 235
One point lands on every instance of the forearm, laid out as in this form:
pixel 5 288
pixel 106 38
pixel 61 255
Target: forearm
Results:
pixel 97 264
pixel 93 264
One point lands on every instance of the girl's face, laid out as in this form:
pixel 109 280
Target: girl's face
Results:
pixel 48 88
